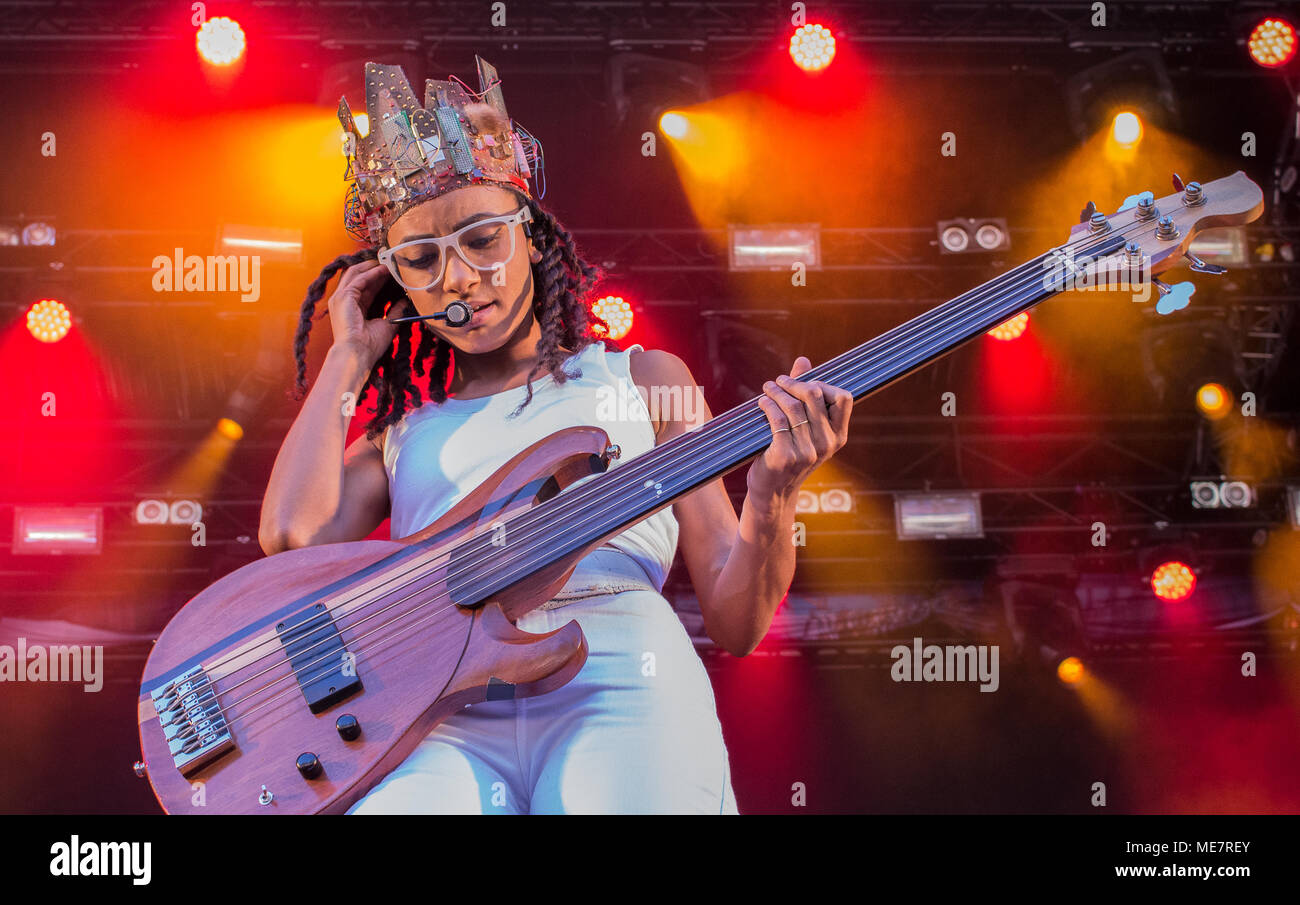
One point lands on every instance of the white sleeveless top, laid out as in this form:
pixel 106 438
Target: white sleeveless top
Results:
pixel 439 453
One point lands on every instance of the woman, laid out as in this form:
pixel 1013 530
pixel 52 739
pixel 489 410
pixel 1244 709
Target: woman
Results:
pixel 636 731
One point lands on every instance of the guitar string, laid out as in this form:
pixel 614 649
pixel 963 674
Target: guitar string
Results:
pixel 975 312
pixel 470 561
pixel 726 420
pixel 388 639
pixel 738 413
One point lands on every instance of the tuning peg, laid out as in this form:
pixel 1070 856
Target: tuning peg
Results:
pixel 1172 298
pixel 1200 266
pixel 1088 210
pixel 1178 183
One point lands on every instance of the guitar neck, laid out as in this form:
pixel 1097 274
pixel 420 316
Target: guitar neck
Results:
pixel 603 506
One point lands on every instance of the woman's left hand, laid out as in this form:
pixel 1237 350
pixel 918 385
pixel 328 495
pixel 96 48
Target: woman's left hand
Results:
pixel 805 433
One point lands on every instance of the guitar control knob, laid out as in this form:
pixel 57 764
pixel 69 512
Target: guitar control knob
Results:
pixel 308 765
pixel 348 727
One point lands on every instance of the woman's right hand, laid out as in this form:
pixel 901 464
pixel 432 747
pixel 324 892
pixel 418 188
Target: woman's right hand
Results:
pixel 369 338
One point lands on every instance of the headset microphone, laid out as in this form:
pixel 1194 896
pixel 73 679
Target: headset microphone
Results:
pixel 457 314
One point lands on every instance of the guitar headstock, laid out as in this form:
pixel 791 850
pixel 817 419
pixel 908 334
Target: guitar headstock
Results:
pixel 1163 228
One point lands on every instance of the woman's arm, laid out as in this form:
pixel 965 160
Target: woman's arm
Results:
pixel 318 492
pixel 742 567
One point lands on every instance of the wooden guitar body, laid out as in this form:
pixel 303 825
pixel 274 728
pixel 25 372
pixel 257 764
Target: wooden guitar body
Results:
pixel 417 655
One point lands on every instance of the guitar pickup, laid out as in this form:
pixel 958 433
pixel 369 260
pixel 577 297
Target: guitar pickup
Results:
pixel 318 658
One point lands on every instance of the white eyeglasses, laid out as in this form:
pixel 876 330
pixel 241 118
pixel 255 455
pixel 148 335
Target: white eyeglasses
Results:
pixel 484 244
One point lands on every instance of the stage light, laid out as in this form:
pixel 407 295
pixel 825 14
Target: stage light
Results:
pixel 1127 129
pixel 1173 581
pixel 991 236
pixel 38 233
pixel 1070 670
pixel 220 41
pixel 964 235
pixel 1135 83
pixel 954 239
pixel 674 124
pixel 56 530
pixel 151 512
pixel 805 502
pixel 1205 495
pixel 1237 495
pixel 185 512
pixel 615 311
pixel 1012 329
pixel 1272 43
pixel 268 243
pixel 812 47
pixel 1222 495
pixel 230 429
pixel 774 247
pixel 836 499
pixel 1213 400
pixel 1223 245
pixel 48 320
pixel 921 516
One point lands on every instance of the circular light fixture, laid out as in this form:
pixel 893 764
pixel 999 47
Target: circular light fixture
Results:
pixel 48 320
pixel 812 47
pixel 1173 581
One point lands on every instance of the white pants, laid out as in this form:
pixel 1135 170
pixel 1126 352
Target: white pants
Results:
pixel 635 732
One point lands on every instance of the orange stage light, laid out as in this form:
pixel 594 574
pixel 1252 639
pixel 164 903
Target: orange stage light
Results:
pixel 48 320
pixel 1213 400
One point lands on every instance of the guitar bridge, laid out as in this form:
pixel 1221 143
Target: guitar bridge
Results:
pixel 192 721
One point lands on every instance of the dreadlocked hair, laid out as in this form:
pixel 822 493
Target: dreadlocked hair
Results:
pixel 562 281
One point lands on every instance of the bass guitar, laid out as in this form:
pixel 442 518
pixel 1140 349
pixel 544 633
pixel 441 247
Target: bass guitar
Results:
pixel 294 684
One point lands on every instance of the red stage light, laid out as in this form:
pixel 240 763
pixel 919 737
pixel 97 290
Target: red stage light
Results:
pixel 1272 43
pixel 812 47
pixel 1173 581
pixel 1008 330
pixel 220 41
pixel 48 320
pixel 616 312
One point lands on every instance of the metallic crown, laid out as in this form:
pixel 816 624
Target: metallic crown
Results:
pixel 415 152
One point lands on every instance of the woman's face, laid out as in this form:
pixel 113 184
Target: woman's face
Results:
pixel 507 292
